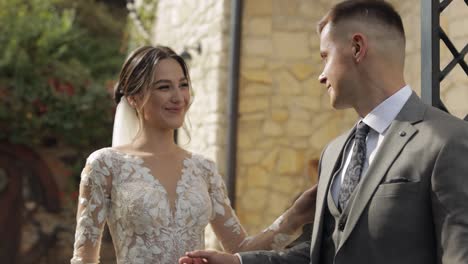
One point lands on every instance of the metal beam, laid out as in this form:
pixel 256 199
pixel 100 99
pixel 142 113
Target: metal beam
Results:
pixel 233 98
pixel 444 5
pixel 430 52
pixel 459 59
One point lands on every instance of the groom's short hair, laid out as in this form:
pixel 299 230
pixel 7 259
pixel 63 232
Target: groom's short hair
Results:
pixel 370 12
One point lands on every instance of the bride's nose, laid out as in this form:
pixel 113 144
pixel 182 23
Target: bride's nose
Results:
pixel 176 96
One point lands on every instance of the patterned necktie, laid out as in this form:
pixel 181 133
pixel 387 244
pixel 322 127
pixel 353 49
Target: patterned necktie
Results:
pixel 354 170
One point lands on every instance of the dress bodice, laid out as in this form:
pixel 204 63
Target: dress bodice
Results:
pixel 119 189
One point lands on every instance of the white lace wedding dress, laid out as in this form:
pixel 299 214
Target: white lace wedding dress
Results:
pixel 119 189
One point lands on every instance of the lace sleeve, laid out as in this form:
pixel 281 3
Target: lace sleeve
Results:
pixel 92 210
pixel 232 235
pixel 223 220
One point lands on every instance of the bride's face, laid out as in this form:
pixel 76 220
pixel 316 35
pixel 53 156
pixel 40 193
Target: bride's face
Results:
pixel 168 96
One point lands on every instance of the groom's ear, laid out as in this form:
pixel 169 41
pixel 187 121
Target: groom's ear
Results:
pixel 359 45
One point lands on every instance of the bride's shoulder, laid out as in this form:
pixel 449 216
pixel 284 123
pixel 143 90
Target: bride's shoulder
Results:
pixel 102 154
pixel 204 162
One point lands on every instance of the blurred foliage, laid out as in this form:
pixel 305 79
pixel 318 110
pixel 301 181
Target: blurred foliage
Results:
pixel 142 20
pixel 58 63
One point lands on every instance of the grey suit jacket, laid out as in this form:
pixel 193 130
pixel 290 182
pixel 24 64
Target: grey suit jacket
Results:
pixel 410 208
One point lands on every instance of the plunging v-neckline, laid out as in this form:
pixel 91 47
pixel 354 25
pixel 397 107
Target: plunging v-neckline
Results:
pixel 172 205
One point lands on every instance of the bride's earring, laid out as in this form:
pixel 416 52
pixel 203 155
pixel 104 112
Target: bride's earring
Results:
pixel 132 103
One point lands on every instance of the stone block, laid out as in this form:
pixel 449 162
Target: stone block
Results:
pixel 271 128
pixel 260 76
pixel 288 8
pixel 258 177
pixel 255 199
pixel 299 142
pixel 260 26
pixel 270 160
pixel 301 114
pixel 311 103
pixel 290 161
pixel 287 84
pixel 324 134
pixel 257 46
pixel 245 140
pixel 253 62
pixel 290 45
pixel 279 115
pixel 280 101
pixel 298 128
pixel 256 89
pixel 278 202
pixel 252 116
pixel 302 71
pixel 250 157
pixel 313 88
pixel 258 8
pixel 290 23
pixel 254 104
pixel 266 143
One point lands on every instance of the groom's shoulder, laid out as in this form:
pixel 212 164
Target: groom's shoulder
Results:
pixel 440 122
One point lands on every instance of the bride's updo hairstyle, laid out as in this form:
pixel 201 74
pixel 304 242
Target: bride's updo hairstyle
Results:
pixel 138 70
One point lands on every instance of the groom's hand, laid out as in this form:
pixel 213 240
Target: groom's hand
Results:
pixel 209 257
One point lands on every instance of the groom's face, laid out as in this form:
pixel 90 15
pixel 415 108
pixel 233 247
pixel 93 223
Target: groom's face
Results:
pixel 337 74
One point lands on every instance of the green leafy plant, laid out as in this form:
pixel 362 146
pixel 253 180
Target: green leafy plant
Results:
pixel 58 60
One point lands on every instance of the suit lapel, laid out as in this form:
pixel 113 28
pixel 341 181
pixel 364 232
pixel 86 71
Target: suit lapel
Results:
pixel 400 132
pixel 329 163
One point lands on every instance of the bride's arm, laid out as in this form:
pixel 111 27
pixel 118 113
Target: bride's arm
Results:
pixel 92 211
pixel 233 237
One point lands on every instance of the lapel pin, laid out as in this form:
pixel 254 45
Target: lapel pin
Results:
pixel 402 133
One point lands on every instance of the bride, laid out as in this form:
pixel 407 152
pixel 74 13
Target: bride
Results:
pixel 156 197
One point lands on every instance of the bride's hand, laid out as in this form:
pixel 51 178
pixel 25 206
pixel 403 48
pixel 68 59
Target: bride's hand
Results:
pixel 189 260
pixel 210 257
pixel 303 209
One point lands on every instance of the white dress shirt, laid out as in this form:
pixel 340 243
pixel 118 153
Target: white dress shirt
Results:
pixel 379 120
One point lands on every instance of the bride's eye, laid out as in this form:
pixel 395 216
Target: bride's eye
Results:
pixel 164 87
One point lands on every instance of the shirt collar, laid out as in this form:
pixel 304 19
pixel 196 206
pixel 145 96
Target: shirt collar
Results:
pixel 380 118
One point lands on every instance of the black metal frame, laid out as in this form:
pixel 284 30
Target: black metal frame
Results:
pixel 431 34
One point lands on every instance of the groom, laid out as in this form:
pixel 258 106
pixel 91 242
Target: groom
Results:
pixel 393 189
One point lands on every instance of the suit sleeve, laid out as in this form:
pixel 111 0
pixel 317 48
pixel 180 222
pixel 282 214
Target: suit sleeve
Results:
pixel 299 254
pixel 449 200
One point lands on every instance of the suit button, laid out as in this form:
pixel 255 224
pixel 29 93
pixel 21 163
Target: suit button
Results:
pixel 341 226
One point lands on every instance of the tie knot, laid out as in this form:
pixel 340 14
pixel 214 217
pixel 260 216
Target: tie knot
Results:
pixel 362 130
